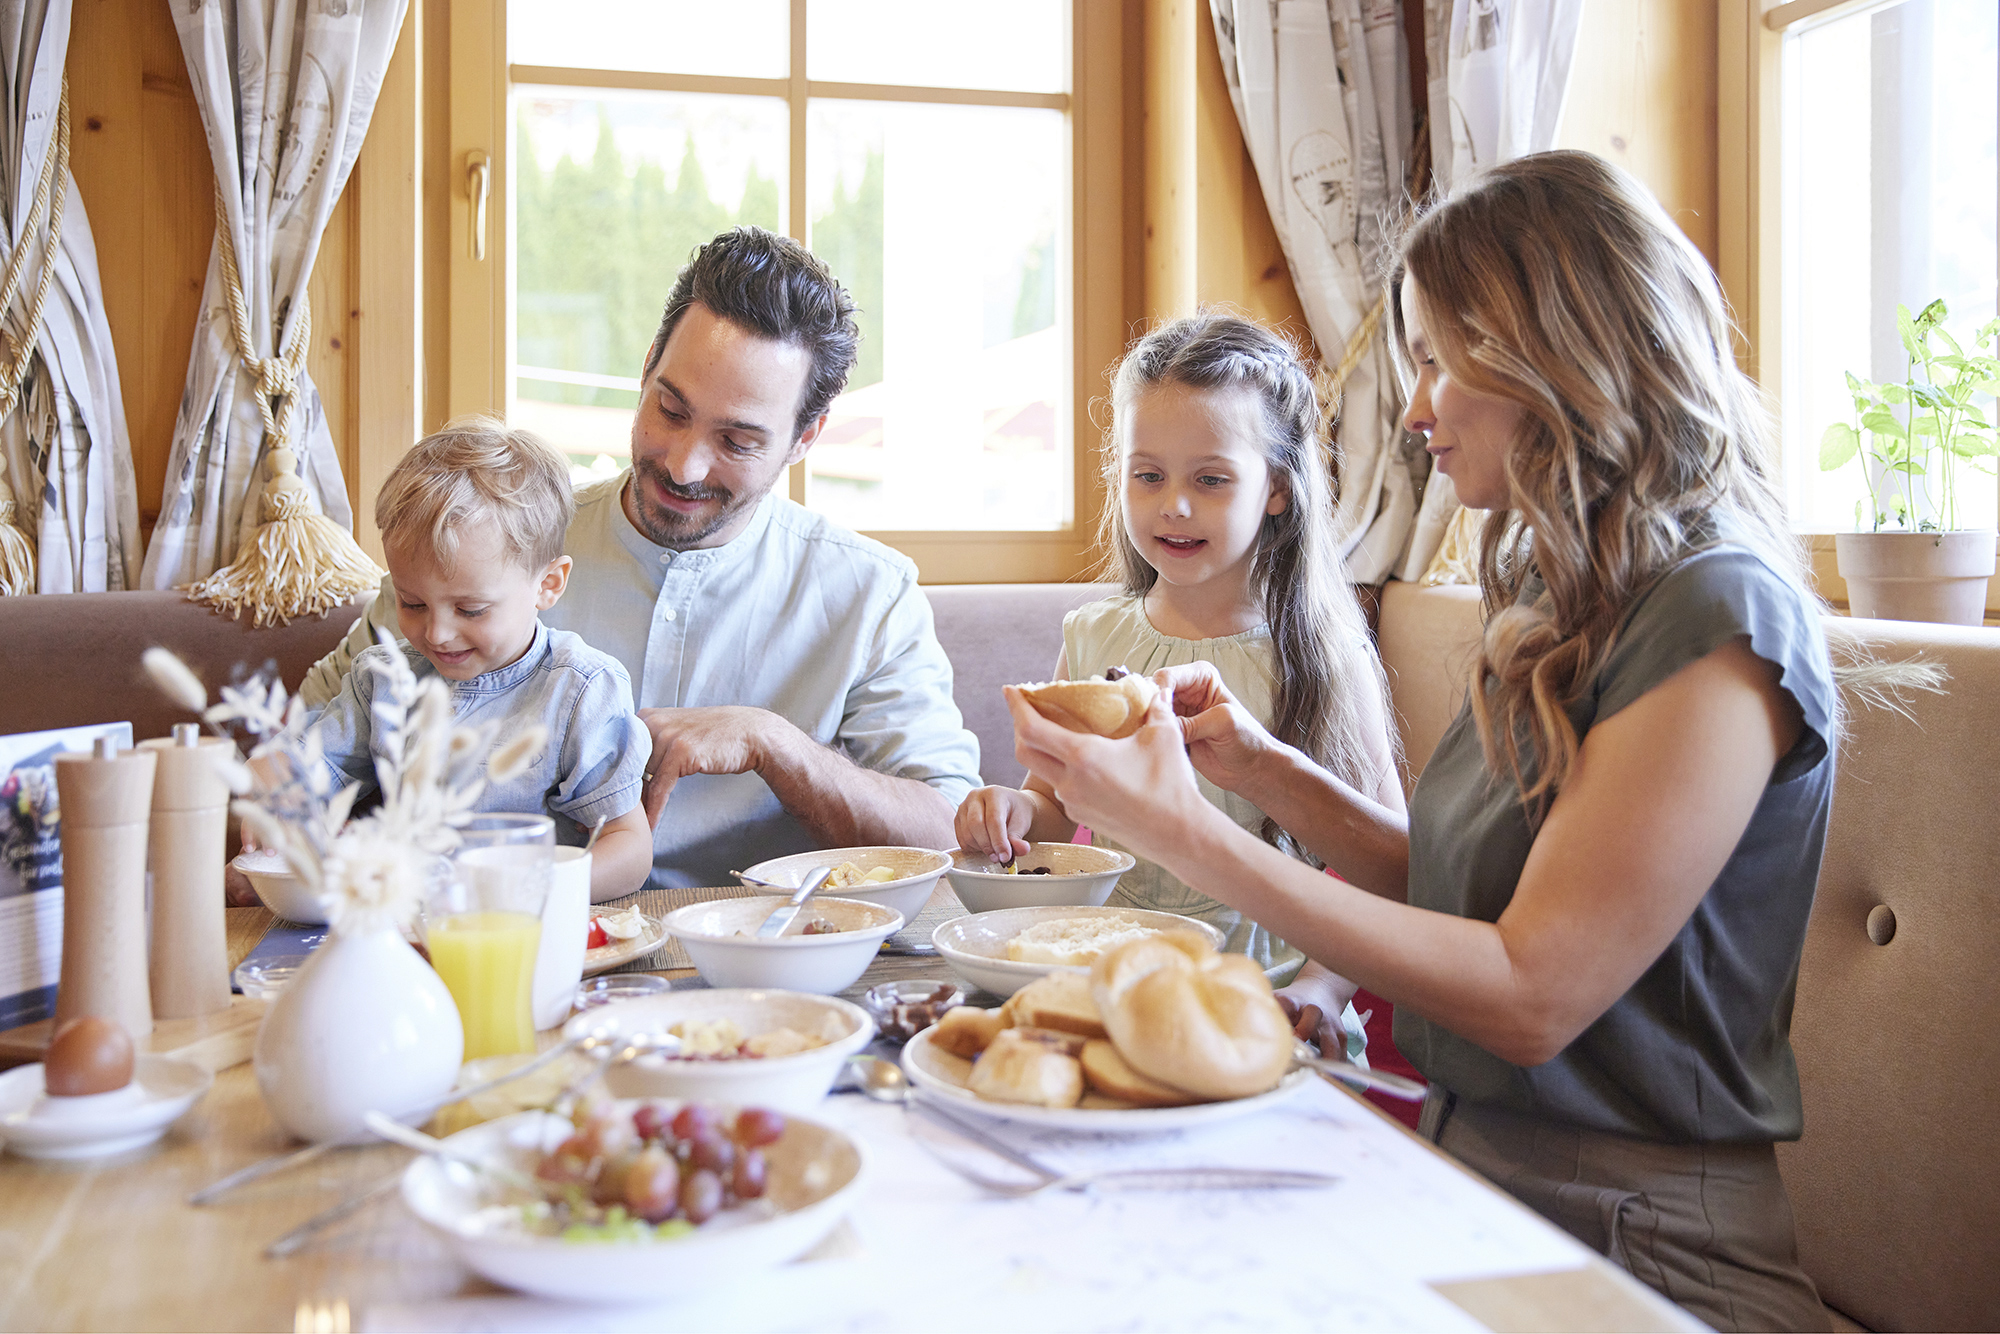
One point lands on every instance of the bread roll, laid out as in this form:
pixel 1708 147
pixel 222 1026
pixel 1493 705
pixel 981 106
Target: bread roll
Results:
pixel 1193 1019
pixel 1110 1074
pixel 1107 708
pixel 1018 1067
pixel 967 1030
pixel 1060 1001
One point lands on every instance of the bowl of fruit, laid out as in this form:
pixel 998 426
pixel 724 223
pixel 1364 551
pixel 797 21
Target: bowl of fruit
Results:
pixel 694 1194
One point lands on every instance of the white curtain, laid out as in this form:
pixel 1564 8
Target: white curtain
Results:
pixel 286 89
pixel 68 455
pixel 1321 89
pixel 1499 70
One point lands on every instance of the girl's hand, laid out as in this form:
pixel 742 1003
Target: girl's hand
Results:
pixel 1314 1002
pixel 1139 791
pixel 1224 742
pixel 995 821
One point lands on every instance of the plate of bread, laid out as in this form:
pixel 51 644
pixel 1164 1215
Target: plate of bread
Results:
pixel 1162 1032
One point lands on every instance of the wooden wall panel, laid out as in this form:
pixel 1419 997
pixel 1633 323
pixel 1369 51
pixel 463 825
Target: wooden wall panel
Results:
pixel 1643 93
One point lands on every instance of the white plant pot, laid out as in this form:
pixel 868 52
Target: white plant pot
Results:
pixel 1938 577
pixel 366 1024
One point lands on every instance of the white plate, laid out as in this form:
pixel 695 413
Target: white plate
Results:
pixel 976 946
pixel 941 1075
pixel 815 1175
pixel 36 1126
pixel 606 957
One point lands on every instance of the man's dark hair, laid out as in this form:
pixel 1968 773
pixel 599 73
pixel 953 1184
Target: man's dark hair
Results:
pixel 777 289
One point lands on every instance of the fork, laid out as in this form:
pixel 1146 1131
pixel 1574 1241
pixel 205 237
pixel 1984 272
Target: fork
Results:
pixel 1153 1178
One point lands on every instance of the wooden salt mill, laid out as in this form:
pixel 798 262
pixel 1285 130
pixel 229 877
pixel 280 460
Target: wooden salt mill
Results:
pixel 190 947
pixel 106 798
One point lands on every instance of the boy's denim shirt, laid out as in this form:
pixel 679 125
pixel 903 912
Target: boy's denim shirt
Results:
pixel 595 760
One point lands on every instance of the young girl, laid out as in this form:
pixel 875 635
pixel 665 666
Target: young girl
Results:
pixel 1220 527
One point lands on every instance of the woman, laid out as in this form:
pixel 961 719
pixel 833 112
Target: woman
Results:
pixel 1590 921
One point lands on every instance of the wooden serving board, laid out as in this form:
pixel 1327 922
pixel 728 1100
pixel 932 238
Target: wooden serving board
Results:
pixel 212 1041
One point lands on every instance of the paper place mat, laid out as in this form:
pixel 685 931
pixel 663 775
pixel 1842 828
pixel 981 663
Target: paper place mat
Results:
pixel 943 906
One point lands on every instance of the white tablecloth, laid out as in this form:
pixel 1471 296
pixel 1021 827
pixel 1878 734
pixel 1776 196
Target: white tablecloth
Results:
pixel 936 1252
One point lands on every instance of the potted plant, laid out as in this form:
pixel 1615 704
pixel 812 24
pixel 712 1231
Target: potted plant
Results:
pixel 1917 441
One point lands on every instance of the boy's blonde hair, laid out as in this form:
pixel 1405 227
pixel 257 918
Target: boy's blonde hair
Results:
pixel 479 467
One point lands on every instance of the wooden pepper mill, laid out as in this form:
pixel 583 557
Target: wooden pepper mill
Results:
pixel 106 797
pixel 190 946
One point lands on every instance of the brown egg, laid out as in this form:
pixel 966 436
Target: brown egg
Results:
pixel 87 1055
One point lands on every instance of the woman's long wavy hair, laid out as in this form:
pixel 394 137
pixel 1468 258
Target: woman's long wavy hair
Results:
pixel 1556 282
pixel 1323 661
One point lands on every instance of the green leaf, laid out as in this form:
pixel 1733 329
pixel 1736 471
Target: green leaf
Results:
pixel 1857 516
pixel 1989 386
pixel 1840 443
pixel 1945 334
pixel 1950 360
pixel 1882 422
pixel 1925 396
pixel 1895 393
pixel 1913 467
pixel 1971 445
pixel 1923 425
pixel 1933 314
pixel 1906 329
pixel 1859 386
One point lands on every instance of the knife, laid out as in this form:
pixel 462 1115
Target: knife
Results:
pixel 774 925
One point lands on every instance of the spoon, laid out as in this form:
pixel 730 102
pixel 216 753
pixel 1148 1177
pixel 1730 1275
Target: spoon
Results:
pixel 595 830
pixel 397 1133
pixel 1395 1086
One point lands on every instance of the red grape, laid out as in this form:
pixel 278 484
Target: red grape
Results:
pixel 758 1126
pixel 651 1121
pixel 712 1152
pixel 652 1185
pixel 694 1119
pixel 747 1180
pixel 701 1196
pixel 609 1187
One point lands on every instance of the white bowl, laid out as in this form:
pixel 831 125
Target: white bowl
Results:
pixel 721 938
pixel 976 946
pixel 789 1083
pixel 917 871
pixel 815 1176
pixel 281 891
pixel 1083 875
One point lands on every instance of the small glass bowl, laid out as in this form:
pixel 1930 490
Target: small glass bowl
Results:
pixel 614 987
pixel 263 979
pixel 904 1009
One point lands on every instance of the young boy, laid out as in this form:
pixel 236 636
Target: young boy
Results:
pixel 472 522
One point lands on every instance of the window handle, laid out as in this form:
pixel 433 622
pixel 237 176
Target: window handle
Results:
pixel 478 184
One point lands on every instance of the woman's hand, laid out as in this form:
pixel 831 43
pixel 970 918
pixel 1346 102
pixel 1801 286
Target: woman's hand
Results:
pixel 995 821
pixel 1140 790
pixel 1224 742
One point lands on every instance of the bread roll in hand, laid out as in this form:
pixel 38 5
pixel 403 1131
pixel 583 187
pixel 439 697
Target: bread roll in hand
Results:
pixel 1113 708
pixel 1190 1018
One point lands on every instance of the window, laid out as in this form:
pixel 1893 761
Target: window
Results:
pixel 929 153
pixel 1889 180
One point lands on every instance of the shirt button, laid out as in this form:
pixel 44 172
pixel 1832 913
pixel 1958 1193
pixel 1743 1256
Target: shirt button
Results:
pixel 666 557
pixel 667 613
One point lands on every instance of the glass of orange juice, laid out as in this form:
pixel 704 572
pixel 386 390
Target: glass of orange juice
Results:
pixel 484 927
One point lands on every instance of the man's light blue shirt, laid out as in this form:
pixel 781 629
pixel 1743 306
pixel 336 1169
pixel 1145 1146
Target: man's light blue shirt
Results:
pixel 795 614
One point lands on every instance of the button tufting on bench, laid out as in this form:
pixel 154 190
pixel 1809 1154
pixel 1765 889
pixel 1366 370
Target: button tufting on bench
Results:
pixel 1881 924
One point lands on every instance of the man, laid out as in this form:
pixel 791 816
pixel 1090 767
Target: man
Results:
pixel 786 668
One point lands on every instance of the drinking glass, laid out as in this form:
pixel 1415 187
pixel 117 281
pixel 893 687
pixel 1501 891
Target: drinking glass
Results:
pixel 484 927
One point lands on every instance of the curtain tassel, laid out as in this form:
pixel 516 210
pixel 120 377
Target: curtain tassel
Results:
pixel 298 562
pixel 17 554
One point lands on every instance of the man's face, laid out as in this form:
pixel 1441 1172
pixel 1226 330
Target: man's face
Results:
pixel 713 431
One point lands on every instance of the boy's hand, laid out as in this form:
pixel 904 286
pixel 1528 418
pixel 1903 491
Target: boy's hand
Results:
pixel 995 821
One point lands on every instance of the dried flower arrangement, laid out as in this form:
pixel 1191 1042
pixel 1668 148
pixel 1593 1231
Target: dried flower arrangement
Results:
pixel 373 872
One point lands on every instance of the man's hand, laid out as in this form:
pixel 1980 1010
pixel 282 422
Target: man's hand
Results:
pixel 728 740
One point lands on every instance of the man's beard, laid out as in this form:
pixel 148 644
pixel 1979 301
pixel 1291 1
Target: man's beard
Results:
pixel 666 528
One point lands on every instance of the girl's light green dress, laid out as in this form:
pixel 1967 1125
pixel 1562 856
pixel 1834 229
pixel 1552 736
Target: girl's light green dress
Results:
pixel 1116 633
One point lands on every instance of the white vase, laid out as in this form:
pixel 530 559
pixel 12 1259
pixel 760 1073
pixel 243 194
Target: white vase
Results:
pixel 365 1025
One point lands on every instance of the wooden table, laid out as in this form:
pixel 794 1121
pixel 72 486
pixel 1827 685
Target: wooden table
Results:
pixel 111 1244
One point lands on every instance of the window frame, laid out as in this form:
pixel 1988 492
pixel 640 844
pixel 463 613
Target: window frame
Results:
pixel 1750 202
pixel 481 354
